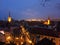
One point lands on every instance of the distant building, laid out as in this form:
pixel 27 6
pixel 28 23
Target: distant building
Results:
pixel 47 22
pixel 37 28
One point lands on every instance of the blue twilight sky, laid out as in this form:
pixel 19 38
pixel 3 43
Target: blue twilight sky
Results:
pixel 23 9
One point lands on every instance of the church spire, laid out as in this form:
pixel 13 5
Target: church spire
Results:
pixel 9 18
pixel 48 20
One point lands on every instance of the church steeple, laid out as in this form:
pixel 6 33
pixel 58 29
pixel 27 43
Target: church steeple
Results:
pixel 9 18
pixel 48 20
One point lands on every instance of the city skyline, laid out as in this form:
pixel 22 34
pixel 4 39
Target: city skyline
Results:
pixel 24 9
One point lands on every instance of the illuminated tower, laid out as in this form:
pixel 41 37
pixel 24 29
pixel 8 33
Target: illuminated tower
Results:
pixel 9 18
pixel 48 21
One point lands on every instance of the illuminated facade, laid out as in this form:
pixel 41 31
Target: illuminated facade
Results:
pixel 47 22
pixel 9 18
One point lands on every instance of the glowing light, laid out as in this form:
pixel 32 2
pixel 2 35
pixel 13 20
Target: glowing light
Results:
pixel 27 33
pixel 2 32
pixel 21 37
pixel 35 19
pixel 48 21
pixel 9 19
pixel 30 41
pixel 8 38
pixel 23 29
pixel 17 38
pixel 21 42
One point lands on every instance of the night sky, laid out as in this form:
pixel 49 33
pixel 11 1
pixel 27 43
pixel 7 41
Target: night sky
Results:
pixel 24 9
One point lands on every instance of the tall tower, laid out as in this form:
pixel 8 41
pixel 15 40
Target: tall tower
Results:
pixel 48 21
pixel 9 18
